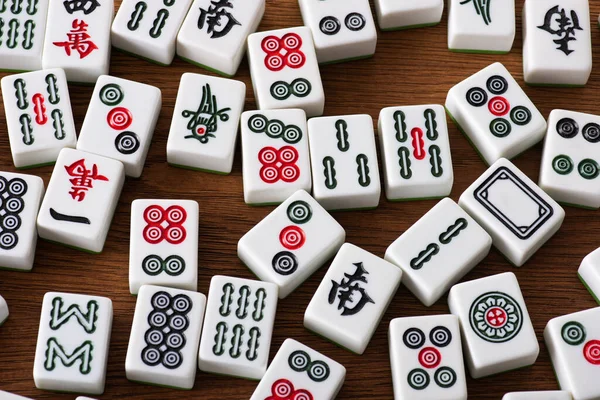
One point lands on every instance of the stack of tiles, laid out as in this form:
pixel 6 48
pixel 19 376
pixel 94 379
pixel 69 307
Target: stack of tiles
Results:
pixel 392 15
pixel 214 33
pixel 291 243
pixel 38 116
pixel 149 29
pixel 589 274
pixel 73 341
pixel 298 372
pixel 236 338
pixel 546 395
pixel 3 311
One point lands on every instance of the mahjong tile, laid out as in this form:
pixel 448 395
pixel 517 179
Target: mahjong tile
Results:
pixel 573 342
pixel 164 337
pixel 11 396
pixel 38 116
pixel 3 311
pixel 352 298
pixel 589 273
pixel 238 326
pixel 519 216
pixel 291 243
pixel 392 14
pixel 284 70
pixel 205 123
pixel 149 28
pixel 541 395
pixel 78 38
pixel 275 155
pixel 495 113
pixel 497 333
pixel 342 30
pixel 300 373
pixel 84 398
pixel 438 250
pixel 23 35
pixel 118 125
pixel 570 170
pixel 416 152
pixel 557 43
pixel 344 162
pixel 73 342
pixel 481 26
pixel 81 199
pixel 214 33
pixel 426 357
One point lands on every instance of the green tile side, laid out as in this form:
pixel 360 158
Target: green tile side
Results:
pixel 141 57
pixel 157 385
pixel 199 169
pixel 565 204
pixel 416 199
pixel 470 51
pixel 36 166
pixel 15 269
pixel 504 372
pixel 553 85
pixel 403 28
pixel 347 60
pixel 71 247
pixel 589 289
pixel 205 67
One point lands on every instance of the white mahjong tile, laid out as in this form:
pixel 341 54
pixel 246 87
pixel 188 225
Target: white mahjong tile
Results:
pixel 519 216
pixel 541 395
pixel 73 342
pixel 344 162
pixel 438 250
pixel 495 114
pixel 3 311
pixel 352 298
pixel 497 333
pixel 238 326
pixel 284 70
pixel 38 116
pixel 80 200
pixel 416 152
pixel 118 125
pixel 11 396
pixel 291 243
pixel 299 372
pixel 393 14
pixel 205 123
pixel 214 33
pixel 589 273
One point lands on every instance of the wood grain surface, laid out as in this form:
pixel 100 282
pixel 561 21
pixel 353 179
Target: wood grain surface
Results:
pixel 410 67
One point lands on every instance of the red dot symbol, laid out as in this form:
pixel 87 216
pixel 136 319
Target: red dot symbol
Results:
pixel 499 106
pixel 201 131
pixel 430 357
pixel 496 317
pixel 591 352
pixel 292 237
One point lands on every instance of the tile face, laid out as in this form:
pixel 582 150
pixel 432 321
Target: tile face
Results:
pixel 38 116
pixel 352 298
pixel 3 310
pixel 573 342
pixel 149 28
pixel 10 396
pixel 416 152
pixel 205 123
pixel 478 26
pixel 239 324
pixel 426 358
pixel 163 246
pixel 589 273
pixel 518 215
pixel 23 35
pixel 569 172
pixel 164 337
pixel 495 325
pixel 20 198
pixel 495 113
pixel 73 342
pixel 118 125
pixel 342 29
pixel 557 54
pixel 291 243
pixel 393 14
pixel 284 70
pixel 214 33
pixel 78 38
pixel 344 162
pixel 275 155
pixel 542 395
pixel 82 195
pixel 438 250
pixel 299 372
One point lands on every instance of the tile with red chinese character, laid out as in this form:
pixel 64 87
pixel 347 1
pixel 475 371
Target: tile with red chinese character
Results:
pixel 118 124
pixel 275 155
pixel 80 201
pixel 300 373
pixel 163 245
pixel 78 38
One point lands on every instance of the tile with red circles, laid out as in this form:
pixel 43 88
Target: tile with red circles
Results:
pixel 299 373
pixel 495 113
pixel 163 245
pixel 573 342
pixel 426 358
pixel 275 155
pixel 285 72
pixel 118 124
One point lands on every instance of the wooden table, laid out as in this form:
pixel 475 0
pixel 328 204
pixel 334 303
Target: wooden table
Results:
pixel 410 67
